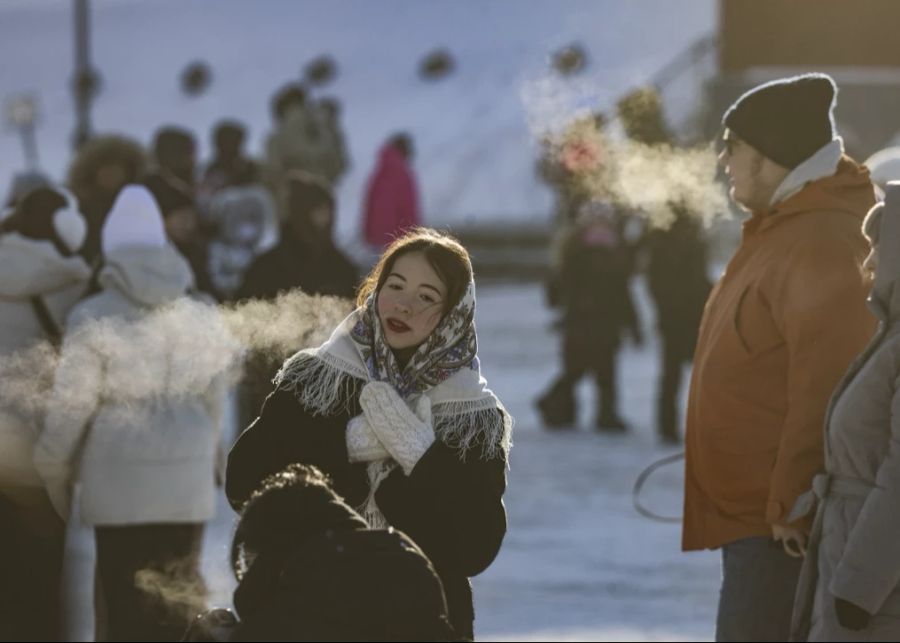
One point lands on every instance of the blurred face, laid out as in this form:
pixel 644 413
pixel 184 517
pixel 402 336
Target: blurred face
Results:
pixel 411 302
pixel 111 178
pixel 321 218
pixel 180 225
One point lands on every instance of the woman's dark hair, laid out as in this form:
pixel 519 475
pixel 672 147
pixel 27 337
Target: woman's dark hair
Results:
pixel 444 254
pixel 33 218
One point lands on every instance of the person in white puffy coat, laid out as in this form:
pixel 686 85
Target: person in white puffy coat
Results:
pixel 40 269
pixel 135 418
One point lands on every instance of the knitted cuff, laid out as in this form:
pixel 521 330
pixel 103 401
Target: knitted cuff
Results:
pixel 404 434
pixel 362 443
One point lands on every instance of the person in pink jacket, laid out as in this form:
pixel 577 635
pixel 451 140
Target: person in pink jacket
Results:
pixel 392 197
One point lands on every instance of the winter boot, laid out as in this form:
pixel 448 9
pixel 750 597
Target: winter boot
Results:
pixel 557 407
pixel 611 423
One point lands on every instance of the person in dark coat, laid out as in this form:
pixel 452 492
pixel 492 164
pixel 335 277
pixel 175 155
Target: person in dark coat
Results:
pixel 394 409
pixel 679 286
pixel 310 569
pixel 180 217
pixel 175 157
pixel 307 256
pixel 103 166
pixel 597 310
pixel 676 267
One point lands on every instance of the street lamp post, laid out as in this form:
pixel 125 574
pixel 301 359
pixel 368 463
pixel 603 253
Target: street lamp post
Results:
pixel 84 84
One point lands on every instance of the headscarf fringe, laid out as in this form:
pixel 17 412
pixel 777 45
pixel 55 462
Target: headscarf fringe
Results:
pixel 471 424
pixel 321 382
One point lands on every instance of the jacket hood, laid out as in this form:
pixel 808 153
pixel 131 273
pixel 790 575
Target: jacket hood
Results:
pixel 146 275
pixel 31 267
pixel 135 220
pixel 822 164
pixel 848 190
pixel 885 297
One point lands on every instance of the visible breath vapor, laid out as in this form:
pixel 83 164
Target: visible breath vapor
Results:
pixel 651 181
pixel 179 349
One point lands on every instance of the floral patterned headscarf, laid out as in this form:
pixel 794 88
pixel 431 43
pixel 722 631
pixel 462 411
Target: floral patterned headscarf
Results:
pixel 450 347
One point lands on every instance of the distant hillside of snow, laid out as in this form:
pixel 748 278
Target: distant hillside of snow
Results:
pixel 473 130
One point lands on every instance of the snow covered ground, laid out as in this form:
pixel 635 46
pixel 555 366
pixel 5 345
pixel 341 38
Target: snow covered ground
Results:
pixel 578 562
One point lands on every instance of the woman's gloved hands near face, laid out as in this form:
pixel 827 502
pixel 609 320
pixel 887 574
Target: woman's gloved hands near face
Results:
pixel 404 434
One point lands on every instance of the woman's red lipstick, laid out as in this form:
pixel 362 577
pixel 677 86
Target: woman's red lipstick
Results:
pixel 397 326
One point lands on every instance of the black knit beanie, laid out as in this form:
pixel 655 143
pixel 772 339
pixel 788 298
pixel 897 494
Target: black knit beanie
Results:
pixel 787 120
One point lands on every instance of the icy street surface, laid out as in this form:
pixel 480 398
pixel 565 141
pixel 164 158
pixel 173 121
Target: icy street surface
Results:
pixel 578 562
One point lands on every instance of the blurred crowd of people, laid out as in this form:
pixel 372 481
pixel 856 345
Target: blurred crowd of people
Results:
pixel 392 415
pixel 131 231
pixel 600 245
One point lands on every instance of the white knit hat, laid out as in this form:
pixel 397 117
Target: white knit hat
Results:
pixel 135 220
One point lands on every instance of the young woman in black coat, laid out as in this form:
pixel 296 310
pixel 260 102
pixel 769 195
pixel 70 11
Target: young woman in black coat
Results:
pixel 394 409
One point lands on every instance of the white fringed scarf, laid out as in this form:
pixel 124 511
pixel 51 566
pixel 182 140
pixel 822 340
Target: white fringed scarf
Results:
pixel 445 367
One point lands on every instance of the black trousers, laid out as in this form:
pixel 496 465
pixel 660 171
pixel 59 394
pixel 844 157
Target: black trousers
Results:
pixel 584 353
pixel 675 354
pixel 32 544
pixel 148 581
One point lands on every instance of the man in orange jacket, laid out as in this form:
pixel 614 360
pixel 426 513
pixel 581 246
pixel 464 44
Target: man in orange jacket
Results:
pixel 778 331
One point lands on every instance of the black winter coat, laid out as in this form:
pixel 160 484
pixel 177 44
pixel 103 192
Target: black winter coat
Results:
pixel 450 506
pixel 678 281
pixel 317 269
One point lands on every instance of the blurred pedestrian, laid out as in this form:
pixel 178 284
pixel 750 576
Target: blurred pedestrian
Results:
pixel 103 166
pixel 175 158
pixel 136 420
pixel 307 259
pixel 242 224
pixel 598 310
pixel 230 165
pixel 676 267
pixel 331 109
pixel 392 196
pixel 300 140
pixel 179 212
pixel 43 277
pixel 679 284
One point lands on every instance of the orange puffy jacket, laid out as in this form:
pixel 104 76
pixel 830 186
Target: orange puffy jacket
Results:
pixel 778 331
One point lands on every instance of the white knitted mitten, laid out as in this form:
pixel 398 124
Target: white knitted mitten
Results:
pixel 362 443
pixel 406 435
